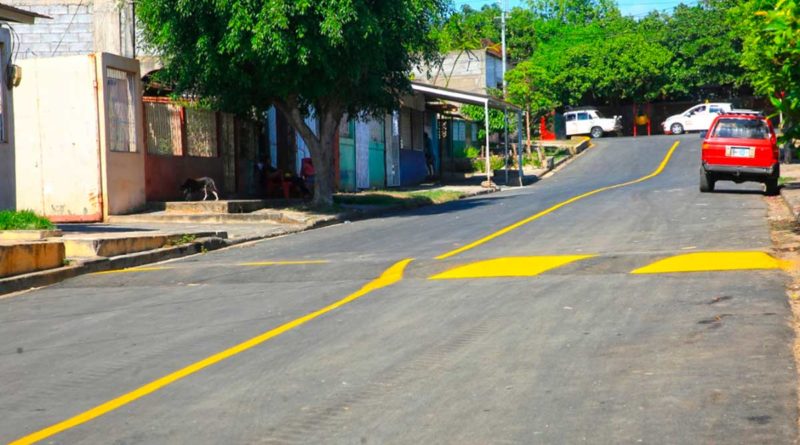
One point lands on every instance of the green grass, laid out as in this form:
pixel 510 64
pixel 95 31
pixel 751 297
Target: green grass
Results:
pixel 783 180
pixel 399 199
pixel 23 220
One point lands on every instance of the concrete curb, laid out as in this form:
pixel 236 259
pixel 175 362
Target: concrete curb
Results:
pixel 92 265
pixel 792 199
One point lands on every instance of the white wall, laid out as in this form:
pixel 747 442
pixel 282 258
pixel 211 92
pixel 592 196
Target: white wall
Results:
pixel 58 161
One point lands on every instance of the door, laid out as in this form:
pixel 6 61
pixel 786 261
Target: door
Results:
pixel 698 118
pixel 362 155
pixel 347 156
pixel 377 154
pixel 571 123
pixel 584 123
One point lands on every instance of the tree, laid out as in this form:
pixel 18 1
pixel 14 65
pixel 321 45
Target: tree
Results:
pixel 772 55
pixel 325 58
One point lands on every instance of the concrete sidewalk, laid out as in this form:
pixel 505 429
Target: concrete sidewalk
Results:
pixel 790 192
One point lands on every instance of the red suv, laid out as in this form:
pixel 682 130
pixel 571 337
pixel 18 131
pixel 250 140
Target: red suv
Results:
pixel 740 146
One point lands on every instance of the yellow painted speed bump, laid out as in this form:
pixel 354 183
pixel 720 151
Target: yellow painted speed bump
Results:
pixel 713 261
pixel 525 266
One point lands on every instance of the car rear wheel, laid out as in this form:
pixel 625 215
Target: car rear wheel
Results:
pixel 772 186
pixel 597 132
pixel 706 182
pixel 676 128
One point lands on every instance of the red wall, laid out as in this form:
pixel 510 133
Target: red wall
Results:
pixel 164 175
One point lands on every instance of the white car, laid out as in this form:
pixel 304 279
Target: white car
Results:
pixel 590 121
pixel 697 118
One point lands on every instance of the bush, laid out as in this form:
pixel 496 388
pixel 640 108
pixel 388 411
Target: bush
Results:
pixel 532 160
pixel 23 220
pixel 495 162
pixel 471 152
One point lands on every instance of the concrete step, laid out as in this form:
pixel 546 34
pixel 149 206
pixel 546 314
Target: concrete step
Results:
pixel 112 244
pixel 266 216
pixel 18 258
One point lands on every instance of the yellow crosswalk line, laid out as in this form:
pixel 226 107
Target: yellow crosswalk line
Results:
pixel 713 261
pixel 526 266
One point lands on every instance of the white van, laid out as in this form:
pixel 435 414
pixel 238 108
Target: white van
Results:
pixel 697 118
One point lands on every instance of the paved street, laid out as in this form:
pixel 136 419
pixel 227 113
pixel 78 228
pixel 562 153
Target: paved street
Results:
pixel 583 351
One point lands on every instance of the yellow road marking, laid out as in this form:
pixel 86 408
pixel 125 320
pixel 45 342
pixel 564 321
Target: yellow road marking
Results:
pixel 391 276
pixel 132 270
pixel 284 263
pixel 713 261
pixel 552 209
pixel 509 267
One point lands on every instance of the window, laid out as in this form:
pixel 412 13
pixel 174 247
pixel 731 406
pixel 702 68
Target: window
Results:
pixel 583 116
pixel 163 129
pixel 121 91
pixel 571 117
pixel 741 129
pixel 714 109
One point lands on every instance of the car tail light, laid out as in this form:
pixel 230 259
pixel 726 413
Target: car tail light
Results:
pixel 706 146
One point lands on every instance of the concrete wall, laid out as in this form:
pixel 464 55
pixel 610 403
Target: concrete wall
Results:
pixel 57 162
pixel 78 27
pixel 64 166
pixel 70 32
pixel 165 174
pixel 7 145
pixel 122 172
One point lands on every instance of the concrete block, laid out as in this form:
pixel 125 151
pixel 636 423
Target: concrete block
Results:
pixel 56 10
pixel 21 258
pixel 109 247
pixel 214 207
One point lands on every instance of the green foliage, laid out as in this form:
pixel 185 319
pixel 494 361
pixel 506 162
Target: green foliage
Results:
pixel 326 57
pixel 477 114
pixel 471 152
pixel 772 55
pixel 495 163
pixel 23 220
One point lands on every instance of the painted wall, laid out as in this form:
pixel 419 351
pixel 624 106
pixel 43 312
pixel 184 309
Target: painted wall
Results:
pixel 166 174
pixel 412 167
pixel 123 172
pixel 58 159
pixel 8 196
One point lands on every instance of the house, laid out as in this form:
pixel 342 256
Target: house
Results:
pixel 9 77
pixel 478 71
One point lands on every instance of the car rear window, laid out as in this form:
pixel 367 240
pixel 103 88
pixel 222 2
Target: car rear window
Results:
pixel 741 129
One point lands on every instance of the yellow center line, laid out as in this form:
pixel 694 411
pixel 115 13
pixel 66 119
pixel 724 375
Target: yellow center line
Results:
pixel 284 263
pixel 552 209
pixel 132 270
pixel 391 276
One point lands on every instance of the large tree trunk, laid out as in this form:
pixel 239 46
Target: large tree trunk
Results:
pixel 321 144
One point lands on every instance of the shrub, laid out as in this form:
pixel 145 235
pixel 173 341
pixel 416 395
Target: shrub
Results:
pixel 471 152
pixel 23 220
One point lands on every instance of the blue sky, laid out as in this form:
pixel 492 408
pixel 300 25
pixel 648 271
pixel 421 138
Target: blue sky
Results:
pixel 627 7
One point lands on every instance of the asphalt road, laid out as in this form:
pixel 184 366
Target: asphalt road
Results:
pixel 584 352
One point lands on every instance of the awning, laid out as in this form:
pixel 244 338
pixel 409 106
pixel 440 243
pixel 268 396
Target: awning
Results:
pixel 16 15
pixel 431 91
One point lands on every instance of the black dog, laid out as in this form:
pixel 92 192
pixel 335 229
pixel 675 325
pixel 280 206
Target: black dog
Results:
pixel 205 184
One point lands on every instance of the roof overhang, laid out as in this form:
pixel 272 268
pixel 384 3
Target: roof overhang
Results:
pixel 463 97
pixel 16 15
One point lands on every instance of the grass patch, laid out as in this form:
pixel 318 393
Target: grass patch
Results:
pixel 783 180
pixel 399 199
pixel 23 220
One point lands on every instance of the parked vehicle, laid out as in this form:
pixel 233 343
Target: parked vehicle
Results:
pixel 590 121
pixel 697 118
pixel 740 146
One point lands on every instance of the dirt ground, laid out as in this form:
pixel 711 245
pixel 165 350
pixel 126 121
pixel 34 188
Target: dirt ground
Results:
pixel 785 232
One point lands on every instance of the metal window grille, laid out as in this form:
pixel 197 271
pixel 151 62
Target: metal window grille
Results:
pixel 120 90
pixel 164 136
pixel 201 133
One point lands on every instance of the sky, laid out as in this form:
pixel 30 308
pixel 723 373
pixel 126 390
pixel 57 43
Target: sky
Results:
pixel 628 7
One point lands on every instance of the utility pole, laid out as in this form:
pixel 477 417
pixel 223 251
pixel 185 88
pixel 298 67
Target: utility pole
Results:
pixel 505 85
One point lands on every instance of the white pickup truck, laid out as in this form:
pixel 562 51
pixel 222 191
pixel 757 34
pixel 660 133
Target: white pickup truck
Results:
pixel 697 118
pixel 590 121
